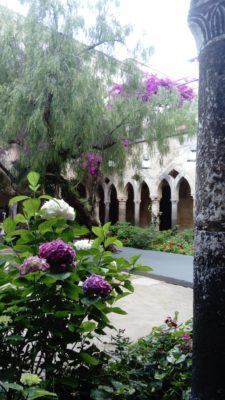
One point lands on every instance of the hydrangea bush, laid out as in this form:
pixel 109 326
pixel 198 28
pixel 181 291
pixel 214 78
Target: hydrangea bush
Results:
pixel 55 298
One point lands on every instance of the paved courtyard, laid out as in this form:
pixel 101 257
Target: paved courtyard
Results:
pixel 150 304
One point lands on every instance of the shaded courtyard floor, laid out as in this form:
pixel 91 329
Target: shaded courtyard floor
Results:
pixel 150 304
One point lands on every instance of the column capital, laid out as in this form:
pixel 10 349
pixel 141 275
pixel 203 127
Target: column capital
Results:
pixel 206 21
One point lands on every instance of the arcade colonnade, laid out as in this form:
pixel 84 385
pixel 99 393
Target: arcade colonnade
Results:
pixel 166 202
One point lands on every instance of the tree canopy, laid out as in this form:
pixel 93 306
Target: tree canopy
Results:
pixel 59 97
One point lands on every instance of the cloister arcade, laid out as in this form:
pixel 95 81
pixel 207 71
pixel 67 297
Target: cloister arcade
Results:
pixel 167 202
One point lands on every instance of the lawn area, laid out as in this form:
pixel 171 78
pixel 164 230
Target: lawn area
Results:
pixel 172 240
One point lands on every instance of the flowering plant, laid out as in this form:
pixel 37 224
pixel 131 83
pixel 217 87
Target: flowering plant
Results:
pixel 55 298
pixel 57 208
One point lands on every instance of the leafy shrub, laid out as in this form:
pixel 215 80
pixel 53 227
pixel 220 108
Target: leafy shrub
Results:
pixel 157 367
pixel 54 300
pixel 171 240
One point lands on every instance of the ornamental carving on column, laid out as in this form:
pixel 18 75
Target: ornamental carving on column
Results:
pixel 207 20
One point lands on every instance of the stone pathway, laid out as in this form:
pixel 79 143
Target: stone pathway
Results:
pixel 171 268
pixel 150 304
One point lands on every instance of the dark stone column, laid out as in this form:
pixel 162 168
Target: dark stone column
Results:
pixel 207 21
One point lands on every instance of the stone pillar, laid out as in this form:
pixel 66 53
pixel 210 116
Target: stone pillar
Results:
pixel 155 216
pixel 107 205
pixel 174 204
pixel 97 211
pixel 206 20
pixel 122 210
pixel 137 212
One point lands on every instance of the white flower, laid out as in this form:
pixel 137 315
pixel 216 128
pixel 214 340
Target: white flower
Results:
pixel 57 208
pixel 113 263
pixel 84 244
pixel 29 379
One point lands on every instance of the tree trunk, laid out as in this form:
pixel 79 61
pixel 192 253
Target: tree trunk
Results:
pixel 207 21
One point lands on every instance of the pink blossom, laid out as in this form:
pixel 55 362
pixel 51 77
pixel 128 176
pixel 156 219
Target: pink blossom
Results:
pixel 33 264
pixel 125 142
pixel 93 164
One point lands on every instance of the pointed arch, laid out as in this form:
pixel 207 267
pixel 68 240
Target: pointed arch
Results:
pixel 101 202
pixel 130 203
pixel 145 205
pixel 185 205
pixel 113 205
pixel 165 206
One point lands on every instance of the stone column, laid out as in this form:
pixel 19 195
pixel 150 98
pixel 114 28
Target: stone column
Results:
pixel 137 212
pixel 107 205
pixel 122 210
pixel 97 211
pixel 206 20
pixel 174 205
pixel 155 212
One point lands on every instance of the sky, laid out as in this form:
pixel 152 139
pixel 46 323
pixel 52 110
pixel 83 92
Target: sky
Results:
pixel 161 24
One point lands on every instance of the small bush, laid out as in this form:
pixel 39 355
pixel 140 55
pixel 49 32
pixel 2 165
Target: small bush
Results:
pixel 171 240
pixel 157 367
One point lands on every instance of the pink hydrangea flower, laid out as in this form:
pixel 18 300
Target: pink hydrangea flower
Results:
pixel 58 254
pixel 33 264
pixel 97 286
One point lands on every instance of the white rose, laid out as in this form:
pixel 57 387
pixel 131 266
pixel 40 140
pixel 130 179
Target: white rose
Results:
pixel 57 208
pixel 84 244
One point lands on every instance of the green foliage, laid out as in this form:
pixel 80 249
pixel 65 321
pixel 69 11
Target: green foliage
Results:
pixel 54 89
pixel 157 367
pixel 49 326
pixel 171 240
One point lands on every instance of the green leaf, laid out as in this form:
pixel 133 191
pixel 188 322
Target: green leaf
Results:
pixel 117 310
pixel 59 277
pixel 31 207
pixel 89 359
pixel 80 230
pixel 33 394
pixel 106 227
pixel 134 259
pixel 45 197
pixel 72 291
pixel 33 178
pixel 9 225
pixel 13 386
pixel 16 199
pixel 46 226
pixel 110 240
pixel 20 218
pixel 88 326
pixel 98 232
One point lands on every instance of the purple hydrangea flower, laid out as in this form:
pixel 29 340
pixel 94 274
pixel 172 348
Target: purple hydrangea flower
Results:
pixel 58 254
pixel 33 264
pixel 97 286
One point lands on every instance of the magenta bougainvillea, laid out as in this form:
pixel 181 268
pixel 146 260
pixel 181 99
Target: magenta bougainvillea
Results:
pixel 125 142
pixel 97 286
pixel 152 84
pixel 58 254
pixel 93 163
